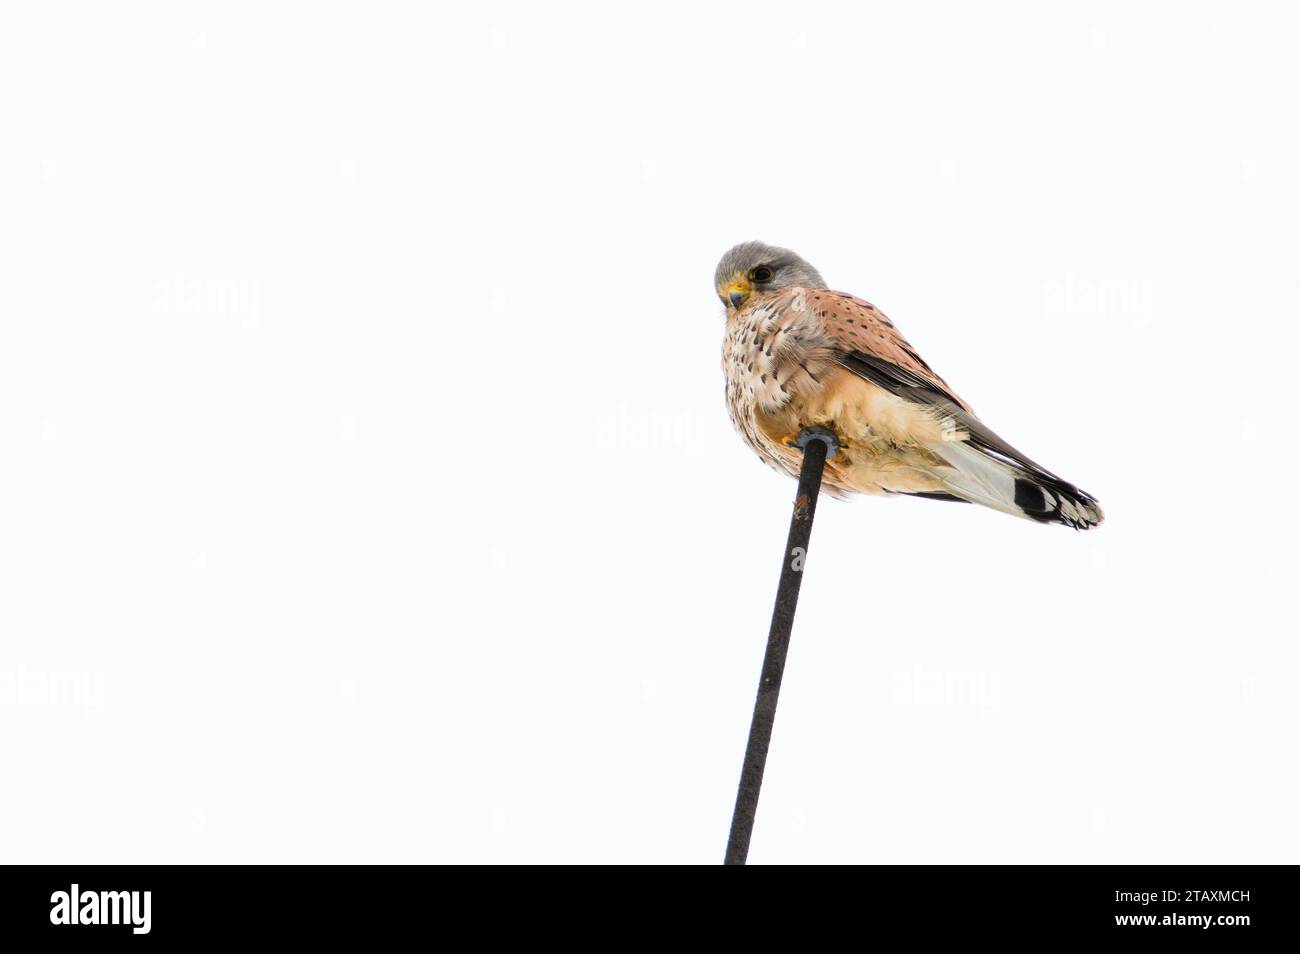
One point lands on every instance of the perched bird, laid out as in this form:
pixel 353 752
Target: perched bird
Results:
pixel 797 354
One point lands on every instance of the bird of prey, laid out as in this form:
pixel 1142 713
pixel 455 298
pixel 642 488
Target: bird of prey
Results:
pixel 797 354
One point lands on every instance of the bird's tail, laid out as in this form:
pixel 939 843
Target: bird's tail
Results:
pixel 992 477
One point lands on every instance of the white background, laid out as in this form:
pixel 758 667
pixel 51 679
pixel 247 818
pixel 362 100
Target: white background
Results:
pixel 368 492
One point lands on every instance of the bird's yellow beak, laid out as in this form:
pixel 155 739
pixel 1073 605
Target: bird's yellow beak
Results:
pixel 737 292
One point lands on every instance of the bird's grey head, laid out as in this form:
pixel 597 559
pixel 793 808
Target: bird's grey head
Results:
pixel 754 268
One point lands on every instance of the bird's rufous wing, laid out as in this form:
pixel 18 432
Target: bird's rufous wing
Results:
pixel 868 344
pixel 860 339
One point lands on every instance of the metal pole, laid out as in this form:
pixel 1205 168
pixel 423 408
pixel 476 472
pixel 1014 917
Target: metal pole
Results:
pixel 818 445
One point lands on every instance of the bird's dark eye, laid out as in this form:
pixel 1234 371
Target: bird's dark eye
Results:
pixel 761 274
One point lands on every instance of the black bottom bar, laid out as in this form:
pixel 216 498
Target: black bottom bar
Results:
pixel 371 908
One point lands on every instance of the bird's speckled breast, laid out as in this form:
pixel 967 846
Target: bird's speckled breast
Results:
pixel 773 352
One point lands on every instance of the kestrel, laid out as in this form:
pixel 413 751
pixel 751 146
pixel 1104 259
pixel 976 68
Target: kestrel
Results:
pixel 797 354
